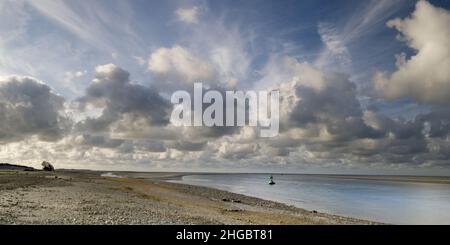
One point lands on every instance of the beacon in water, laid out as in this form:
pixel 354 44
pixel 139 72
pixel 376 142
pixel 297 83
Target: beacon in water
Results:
pixel 271 182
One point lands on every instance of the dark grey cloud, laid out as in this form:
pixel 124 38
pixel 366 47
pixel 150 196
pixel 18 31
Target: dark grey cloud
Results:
pixel 438 121
pixel 336 106
pixel 335 128
pixel 149 145
pixel 325 125
pixel 101 141
pixel 29 107
pixel 113 91
pixel 184 145
pixel 135 118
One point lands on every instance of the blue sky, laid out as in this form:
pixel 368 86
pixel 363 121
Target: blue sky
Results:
pixel 250 44
pixel 93 33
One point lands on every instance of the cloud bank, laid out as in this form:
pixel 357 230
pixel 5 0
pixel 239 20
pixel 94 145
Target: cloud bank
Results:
pixel 118 122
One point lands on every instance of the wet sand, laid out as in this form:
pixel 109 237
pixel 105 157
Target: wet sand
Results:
pixel 85 197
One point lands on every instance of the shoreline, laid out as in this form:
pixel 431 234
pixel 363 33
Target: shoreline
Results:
pixel 84 197
pixel 391 178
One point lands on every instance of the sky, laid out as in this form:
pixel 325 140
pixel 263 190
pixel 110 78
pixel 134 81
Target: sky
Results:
pixel 364 85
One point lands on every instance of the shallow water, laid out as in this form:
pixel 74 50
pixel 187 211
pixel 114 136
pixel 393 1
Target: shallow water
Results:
pixel 392 202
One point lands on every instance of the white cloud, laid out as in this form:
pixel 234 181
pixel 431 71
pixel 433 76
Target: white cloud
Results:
pixel 426 75
pixel 286 70
pixel 71 80
pixel 224 45
pixel 233 150
pixel 188 15
pixel 141 61
pixel 115 56
pixel 178 67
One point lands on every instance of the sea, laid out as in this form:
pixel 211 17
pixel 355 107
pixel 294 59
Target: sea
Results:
pixel 392 200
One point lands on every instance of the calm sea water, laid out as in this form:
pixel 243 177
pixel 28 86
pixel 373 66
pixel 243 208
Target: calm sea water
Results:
pixel 392 202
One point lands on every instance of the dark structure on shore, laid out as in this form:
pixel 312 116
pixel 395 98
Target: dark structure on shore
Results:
pixel 46 166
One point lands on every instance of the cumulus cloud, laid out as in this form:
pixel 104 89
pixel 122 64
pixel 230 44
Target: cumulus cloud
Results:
pixel 330 115
pixel 188 15
pixel 229 150
pixel 281 71
pixel 327 124
pixel 28 107
pixel 323 124
pixel 113 92
pixel 425 75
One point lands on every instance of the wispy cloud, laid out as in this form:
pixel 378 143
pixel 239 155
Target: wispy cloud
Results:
pixel 340 38
pixel 335 52
pixel 106 27
pixel 189 15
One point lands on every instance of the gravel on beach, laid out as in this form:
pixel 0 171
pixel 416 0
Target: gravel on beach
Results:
pixel 85 197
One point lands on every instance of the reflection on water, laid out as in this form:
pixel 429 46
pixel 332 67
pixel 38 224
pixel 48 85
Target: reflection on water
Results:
pixel 386 201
